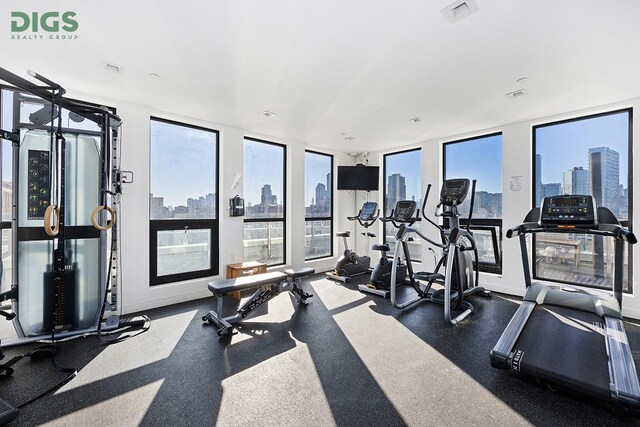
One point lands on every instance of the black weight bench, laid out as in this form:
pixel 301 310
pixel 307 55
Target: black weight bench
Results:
pixel 267 285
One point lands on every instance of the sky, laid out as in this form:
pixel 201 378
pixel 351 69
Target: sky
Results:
pixel 564 146
pixel 409 165
pixel 480 159
pixel 183 163
pixel 263 164
pixel 316 168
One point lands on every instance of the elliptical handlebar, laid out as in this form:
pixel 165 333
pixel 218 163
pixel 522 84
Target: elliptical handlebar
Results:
pixel 473 198
pixel 424 209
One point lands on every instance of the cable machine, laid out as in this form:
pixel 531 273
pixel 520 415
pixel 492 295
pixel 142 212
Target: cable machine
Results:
pixel 65 199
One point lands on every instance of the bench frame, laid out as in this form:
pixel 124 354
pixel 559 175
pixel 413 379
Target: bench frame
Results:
pixel 262 295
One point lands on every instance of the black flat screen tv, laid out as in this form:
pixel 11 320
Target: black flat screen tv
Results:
pixel 358 178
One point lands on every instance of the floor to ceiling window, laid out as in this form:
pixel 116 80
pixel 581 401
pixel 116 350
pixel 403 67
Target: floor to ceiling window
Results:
pixel 318 203
pixel 480 158
pixel 265 201
pixel 586 155
pixel 183 204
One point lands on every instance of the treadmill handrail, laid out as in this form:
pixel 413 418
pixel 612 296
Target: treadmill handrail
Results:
pixel 610 230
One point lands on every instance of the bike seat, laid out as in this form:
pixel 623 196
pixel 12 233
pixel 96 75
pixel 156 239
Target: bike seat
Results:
pixel 381 247
pixel 343 234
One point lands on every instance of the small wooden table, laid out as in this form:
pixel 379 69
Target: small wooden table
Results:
pixel 240 269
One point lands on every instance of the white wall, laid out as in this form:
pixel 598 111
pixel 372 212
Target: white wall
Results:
pixel 516 161
pixel 136 293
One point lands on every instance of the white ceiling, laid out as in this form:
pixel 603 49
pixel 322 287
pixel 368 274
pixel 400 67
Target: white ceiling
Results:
pixel 360 67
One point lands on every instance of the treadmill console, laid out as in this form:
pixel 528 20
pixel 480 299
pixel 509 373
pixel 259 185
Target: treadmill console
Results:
pixel 568 210
pixel 404 211
pixel 454 191
pixel 368 211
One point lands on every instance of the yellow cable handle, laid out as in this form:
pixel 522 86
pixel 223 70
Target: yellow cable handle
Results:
pixel 47 220
pixel 94 218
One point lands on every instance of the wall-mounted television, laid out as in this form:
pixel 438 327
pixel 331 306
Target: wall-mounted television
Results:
pixel 358 178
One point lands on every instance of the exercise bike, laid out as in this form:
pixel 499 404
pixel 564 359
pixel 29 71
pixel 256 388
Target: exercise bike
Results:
pixel 351 264
pixel 461 278
pixel 380 282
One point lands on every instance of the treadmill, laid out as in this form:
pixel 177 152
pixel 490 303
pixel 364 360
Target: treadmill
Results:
pixel 568 336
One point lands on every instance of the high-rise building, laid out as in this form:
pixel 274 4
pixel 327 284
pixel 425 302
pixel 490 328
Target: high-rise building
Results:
pixel 552 189
pixel 604 177
pixel 265 194
pixel 575 181
pixel 321 194
pixel 158 209
pixel 328 183
pixel 539 188
pixel 396 190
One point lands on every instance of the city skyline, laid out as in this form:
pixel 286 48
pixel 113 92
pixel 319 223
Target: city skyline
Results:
pixel 194 207
pixel 601 179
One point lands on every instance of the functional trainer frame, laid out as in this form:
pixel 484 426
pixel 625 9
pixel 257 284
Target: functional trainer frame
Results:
pixel 46 123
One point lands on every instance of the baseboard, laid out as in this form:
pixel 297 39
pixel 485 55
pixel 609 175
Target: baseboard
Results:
pixel 164 301
pixel 509 290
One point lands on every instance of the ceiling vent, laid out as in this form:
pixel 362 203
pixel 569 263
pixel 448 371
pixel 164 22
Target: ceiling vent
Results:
pixel 268 114
pixel 112 67
pixel 458 10
pixel 515 93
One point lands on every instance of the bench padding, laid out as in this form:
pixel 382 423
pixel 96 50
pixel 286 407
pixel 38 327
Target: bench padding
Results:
pixel 295 274
pixel 224 286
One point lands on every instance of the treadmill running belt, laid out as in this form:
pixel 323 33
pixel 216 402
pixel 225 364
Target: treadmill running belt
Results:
pixel 566 347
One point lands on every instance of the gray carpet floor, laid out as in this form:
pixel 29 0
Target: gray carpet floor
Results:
pixel 346 359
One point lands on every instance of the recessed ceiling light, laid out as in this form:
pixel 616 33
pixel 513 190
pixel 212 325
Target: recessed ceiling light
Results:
pixel 268 114
pixel 350 138
pixel 416 120
pixel 522 79
pixel 516 93
pixel 154 75
pixel 459 9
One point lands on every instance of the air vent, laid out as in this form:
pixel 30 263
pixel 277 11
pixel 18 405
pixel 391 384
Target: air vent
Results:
pixel 268 114
pixel 458 10
pixel 112 67
pixel 515 93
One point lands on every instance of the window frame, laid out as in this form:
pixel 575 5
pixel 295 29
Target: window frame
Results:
pixel 481 224
pixel 626 223
pixel 330 217
pixel 284 198
pixel 212 224
pixel 384 191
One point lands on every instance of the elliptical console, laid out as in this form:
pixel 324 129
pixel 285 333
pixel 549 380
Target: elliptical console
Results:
pixel 454 191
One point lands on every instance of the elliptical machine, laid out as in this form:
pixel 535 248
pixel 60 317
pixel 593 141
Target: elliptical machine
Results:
pixel 350 263
pixel 460 280
pixel 380 282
